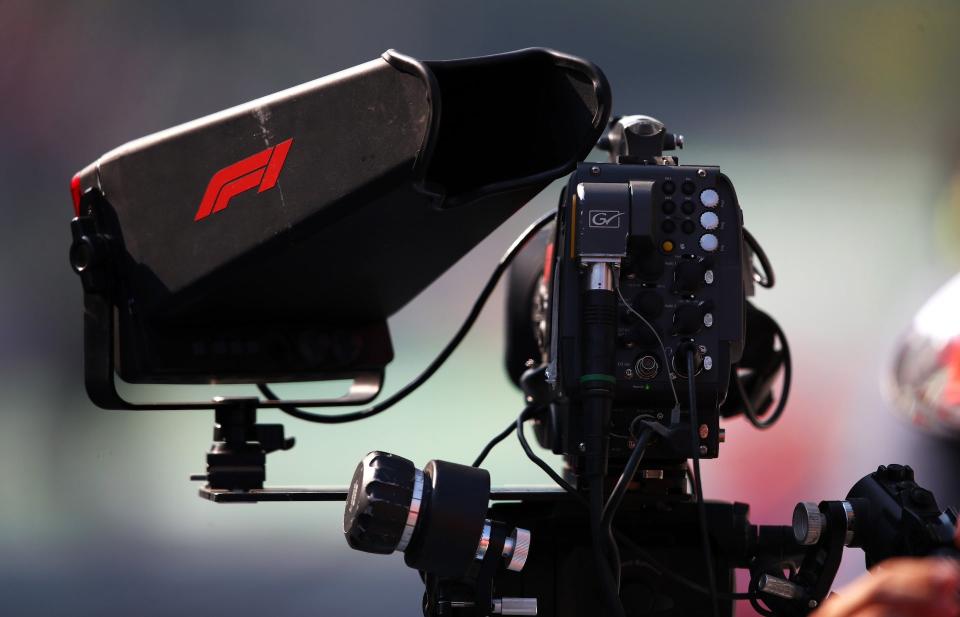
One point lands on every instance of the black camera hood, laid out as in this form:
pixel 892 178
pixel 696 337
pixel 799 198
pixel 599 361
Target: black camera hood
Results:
pixel 328 205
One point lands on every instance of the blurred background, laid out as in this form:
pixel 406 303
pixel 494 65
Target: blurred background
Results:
pixel 837 122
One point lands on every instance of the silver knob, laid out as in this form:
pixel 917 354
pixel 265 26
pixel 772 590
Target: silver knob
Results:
pixel 516 549
pixel 514 606
pixel 808 523
pixel 782 588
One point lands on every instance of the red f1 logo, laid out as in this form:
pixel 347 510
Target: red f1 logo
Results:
pixel 262 169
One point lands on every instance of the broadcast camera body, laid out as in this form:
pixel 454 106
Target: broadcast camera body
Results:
pixel 271 242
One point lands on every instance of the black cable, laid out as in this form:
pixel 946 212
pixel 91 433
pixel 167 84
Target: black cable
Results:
pixel 539 462
pixel 767 280
pixel 698 484
pixel 530 410
pixel 626 477
pixel 748 409
pixel 445 353
pixel 657 566
pixel 616 497
pixel 607 579
pixel 493 442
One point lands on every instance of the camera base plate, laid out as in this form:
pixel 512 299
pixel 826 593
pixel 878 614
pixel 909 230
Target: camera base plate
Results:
pixel 339 493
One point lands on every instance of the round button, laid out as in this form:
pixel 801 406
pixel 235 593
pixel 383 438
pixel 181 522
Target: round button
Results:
pixel 668 207
pixel 688 207
pixel 688 187
pixel 709 198
pixel 687 227
pixel 667 246
pixel 668 226
pixel 709 220
pixel 709 242
pixel 669 188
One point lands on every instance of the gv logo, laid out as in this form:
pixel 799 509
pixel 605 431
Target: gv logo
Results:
pixel 605 218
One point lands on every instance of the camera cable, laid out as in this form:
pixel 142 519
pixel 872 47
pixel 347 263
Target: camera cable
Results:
pixel 594 502
pixel 764 278
pixel 663 349
pixel 616 496
pixel 444 354
pixel 753 416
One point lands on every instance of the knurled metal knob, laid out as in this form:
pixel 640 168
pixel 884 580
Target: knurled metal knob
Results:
pixel 808 523
pixel 519 543
pixel 379 502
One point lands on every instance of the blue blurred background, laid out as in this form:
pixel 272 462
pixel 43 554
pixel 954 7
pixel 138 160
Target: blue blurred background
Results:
pixel 837 122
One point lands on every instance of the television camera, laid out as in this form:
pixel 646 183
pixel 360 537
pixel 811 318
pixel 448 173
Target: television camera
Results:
pixel 272 241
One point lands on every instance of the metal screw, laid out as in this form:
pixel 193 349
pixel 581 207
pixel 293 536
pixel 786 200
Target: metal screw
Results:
pixel 528 363
pixel 704 431
pixel 703 450
pixel 812 604
pixel 628 374
pixel 659 415
pixel 595 170
pixel 702 173
pixel 702 348
pixel 582 446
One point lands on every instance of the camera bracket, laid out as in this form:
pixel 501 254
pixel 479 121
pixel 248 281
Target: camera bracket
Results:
pixel 237 460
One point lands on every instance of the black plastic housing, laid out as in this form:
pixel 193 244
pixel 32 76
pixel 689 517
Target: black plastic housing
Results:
pixel 391 171
pixel 651 271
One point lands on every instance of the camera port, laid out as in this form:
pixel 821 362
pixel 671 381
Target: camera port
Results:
pixel 646 367
pixel 680 360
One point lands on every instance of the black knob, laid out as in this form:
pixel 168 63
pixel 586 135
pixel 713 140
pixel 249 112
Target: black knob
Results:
pixel 688 276
pixel 378 502
pixel 646 262
pixel 435 516
pixel 648 303
pixel 688 320
pixel 640 334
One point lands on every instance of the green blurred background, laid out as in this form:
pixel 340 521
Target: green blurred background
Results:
pixel 836 121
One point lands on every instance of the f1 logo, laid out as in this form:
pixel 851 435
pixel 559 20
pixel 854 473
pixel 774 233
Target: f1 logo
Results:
pixel 259 170
pixel 609 219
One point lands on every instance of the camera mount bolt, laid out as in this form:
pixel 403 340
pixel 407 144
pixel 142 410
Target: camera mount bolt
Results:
pixel 505 606
pixel 781 588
